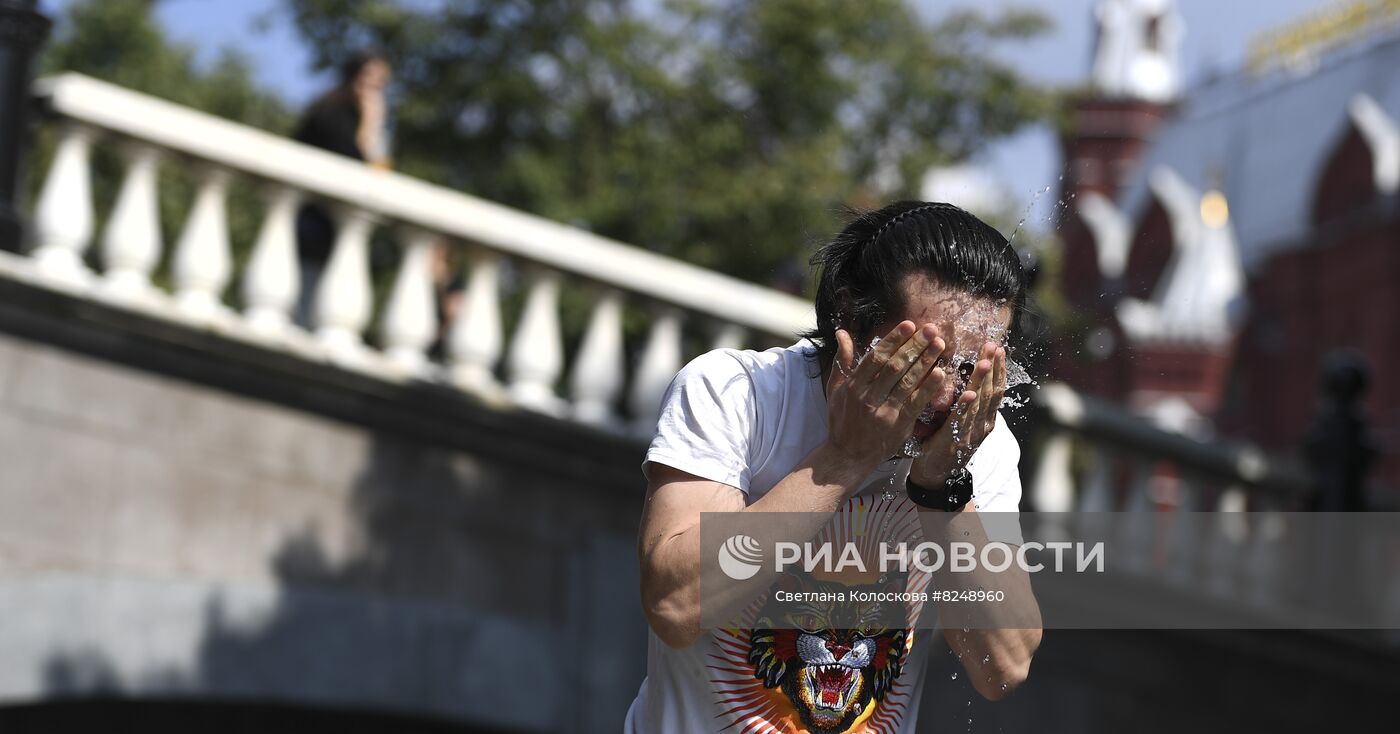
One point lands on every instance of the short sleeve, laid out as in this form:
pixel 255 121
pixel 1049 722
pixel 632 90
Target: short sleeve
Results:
pixel 996 483
pixel 706 418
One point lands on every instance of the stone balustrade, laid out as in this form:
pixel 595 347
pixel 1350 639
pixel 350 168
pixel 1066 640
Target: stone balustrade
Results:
pixel 523 365
pixel 1219 520
pixel 1089 457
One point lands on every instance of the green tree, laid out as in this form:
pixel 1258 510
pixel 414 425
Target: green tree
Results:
pixel 726 132
pixel 120 41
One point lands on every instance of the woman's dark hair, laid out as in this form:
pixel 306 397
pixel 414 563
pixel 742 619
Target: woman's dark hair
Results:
pixel 862 269
pixel 356 62
pixel 343 93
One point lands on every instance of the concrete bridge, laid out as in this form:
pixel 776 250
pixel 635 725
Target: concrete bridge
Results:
pixel 214 518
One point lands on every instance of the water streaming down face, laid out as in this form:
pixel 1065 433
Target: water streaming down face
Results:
pixel 964 321
pixel 963 364
pixel 970 322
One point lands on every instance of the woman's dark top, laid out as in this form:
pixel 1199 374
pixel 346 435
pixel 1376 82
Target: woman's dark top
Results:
pixel 330 123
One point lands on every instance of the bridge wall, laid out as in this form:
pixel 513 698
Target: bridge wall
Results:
pixel 181 515
pixel 213 532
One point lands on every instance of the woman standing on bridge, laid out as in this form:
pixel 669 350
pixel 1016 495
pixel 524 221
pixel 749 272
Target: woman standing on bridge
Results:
pixel 349 119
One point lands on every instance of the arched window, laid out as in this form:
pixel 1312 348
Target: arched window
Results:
pixel 1365 163
pixel 1149 252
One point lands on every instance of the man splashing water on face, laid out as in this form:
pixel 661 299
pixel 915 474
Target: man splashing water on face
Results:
pixel 897 386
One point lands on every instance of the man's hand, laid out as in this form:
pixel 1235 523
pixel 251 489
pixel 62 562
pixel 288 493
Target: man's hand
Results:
pixel 972 416
pixel 872 404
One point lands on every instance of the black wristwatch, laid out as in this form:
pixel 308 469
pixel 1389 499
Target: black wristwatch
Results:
pixel 955 492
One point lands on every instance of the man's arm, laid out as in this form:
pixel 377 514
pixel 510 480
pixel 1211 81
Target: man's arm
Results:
pixel 670 534
pixel 871 409
pixel 1000 637
pixel 995 640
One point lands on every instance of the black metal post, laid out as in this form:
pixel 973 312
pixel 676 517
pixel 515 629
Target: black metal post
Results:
pixel 1338 446
pixel 1030 337
pixel 22 31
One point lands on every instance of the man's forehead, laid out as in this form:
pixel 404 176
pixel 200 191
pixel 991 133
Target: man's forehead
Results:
pixel 965 314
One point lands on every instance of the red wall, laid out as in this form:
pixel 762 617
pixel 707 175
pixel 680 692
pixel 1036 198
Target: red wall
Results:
pixel 1303 304
pixel 1338 286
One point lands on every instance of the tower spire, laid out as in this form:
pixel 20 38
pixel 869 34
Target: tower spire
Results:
pixel 1137 49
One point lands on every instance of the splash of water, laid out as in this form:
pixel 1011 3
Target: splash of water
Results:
pixel 1016 376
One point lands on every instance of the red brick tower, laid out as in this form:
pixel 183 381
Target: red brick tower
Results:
pixel 1134 82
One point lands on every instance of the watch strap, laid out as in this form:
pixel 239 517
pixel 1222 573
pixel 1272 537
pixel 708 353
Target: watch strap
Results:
pixel 955 492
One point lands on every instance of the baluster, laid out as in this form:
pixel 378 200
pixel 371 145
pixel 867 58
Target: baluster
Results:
pixel 536 349
pixel 343 298
pixel 1227 540
pixel 1266 557
pixel 601 362
pixel 410 318
pixel 1138 532
pixel 1053 487
pixel 1233 499
pixel 474 342
pixel 1140 488
pixel 660 360
pixel 202 262
pixel 273 275
pixel 1184 537
pixel 1098 486
pixel 729 336
pixel 63 217
pixel 1096 498
pixel 131 244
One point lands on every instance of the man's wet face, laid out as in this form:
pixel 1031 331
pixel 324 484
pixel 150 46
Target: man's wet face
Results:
pixel 964 322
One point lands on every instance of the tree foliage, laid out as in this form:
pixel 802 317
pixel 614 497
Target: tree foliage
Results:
pixel 725 132
pixel 121 41
pixel 729 133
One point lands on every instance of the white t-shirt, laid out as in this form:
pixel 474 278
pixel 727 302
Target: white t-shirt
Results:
pixel 746 419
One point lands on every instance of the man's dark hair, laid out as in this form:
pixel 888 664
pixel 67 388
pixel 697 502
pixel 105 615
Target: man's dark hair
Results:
pixel 862 269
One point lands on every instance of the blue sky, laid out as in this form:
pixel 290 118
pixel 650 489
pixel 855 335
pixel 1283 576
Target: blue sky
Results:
pixel 1217 32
